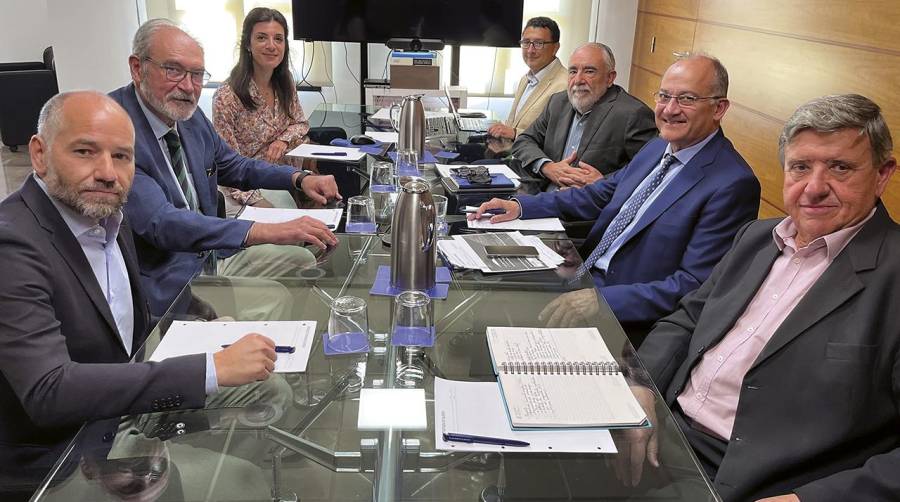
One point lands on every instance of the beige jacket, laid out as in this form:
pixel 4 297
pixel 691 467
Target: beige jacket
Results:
pixel 554 81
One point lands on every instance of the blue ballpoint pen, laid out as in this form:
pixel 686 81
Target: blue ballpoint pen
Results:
pixel 468 438
pixel 489 212
pixel 333 154
pixel 280 349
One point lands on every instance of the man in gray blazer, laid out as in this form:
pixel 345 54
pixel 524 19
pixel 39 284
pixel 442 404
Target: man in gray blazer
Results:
pixel 73 312
pixel 591 130
pixel 783 368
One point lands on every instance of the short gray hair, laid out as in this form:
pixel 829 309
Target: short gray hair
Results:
pixel 610 58
pixel 720 74
pixel 837 112
pixel 140 45
pixel 50 117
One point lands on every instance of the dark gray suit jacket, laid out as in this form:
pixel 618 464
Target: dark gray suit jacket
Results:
pixel 58 340
pixel 618 126
pixel 819 410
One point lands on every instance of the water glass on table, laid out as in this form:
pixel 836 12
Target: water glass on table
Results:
pixel 408 163
pixel 360 215
pixel 348 326
pixel 383 189
pixel 440 214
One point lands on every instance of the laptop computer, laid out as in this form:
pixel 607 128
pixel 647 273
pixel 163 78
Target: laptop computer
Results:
pixel 467 124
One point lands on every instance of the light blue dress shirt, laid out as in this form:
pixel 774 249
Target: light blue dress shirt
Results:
pixel 159 130
pixel 682 157
pixel 533 80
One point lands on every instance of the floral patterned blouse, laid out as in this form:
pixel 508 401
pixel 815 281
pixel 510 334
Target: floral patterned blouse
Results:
pixel 249 133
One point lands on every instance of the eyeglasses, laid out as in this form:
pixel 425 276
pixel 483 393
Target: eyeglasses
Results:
pixel 176 74
pixel 537 44
pixel 478 175
pixel 684 100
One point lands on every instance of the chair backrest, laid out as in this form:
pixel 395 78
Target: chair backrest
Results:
pixel 49 63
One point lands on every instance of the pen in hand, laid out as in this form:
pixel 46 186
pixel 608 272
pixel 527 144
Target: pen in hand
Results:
pixel 486 214
pixel 280 349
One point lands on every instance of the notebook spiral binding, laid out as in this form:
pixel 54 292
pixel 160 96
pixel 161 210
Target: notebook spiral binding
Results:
pixel 560 368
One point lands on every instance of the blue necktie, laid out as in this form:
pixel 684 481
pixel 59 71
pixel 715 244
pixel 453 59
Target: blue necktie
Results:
pixel 176 153
pixel 623 219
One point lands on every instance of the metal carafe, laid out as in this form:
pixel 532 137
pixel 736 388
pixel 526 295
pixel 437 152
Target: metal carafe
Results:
pixel 413 232
pixel 411 126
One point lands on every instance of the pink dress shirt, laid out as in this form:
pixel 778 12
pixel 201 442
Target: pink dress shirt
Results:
pixel 711 395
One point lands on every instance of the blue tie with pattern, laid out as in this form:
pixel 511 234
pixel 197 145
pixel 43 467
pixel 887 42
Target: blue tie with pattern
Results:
pixel 621 221
pixel 176 154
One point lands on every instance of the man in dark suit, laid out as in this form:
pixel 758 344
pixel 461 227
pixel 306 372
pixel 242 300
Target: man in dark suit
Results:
pixel 589 131
pixel 180 160
pixel 73 312
pixel 783 369
pixel 663 221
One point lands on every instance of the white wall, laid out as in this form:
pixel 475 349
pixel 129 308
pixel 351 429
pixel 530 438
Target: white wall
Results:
pixel 91 42
pixel 24 30
pixel 613 23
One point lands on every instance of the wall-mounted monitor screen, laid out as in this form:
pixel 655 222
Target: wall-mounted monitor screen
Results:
pixel 495 23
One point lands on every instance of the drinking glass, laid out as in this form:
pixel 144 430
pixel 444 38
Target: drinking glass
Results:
pixel 348 326
pixel 440 214
pixel 383 188
pixel 408 163
pixel 413 321
pixel 360 215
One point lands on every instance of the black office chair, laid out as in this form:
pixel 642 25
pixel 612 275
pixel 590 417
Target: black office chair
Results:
pixel 24 88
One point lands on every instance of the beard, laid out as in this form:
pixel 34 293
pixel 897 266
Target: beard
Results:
pixel 71 195
pixel 172 105
pixel 582 97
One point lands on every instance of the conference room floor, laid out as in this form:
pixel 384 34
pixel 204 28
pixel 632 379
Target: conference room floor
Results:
pixel 14 167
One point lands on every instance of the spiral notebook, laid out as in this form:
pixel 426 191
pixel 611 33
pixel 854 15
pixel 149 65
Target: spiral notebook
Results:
pixel 561 377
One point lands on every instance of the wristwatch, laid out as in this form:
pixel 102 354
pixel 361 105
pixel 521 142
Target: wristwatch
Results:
pixel 299 181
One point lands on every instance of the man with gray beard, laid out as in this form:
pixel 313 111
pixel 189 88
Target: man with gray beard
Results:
pixel 73 311
pixel 589 131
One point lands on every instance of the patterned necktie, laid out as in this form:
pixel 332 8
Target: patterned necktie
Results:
pixel 625 216
pixel 176 154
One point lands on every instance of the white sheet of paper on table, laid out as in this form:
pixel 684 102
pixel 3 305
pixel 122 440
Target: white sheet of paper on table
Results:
pixel 330 217
pixel 536 224
pixel 444 170
pixel 309 151
pixel 381 409
pixel 197 337
pixel 384 136
pixel 476 408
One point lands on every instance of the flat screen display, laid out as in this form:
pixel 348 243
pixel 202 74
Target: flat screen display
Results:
pixel 495 23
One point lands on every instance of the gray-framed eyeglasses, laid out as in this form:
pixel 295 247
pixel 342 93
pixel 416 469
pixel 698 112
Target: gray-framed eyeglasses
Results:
pixel 176 74
pixel 685 100
pixel 537 44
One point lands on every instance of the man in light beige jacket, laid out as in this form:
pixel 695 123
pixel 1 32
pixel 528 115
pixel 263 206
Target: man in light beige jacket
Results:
pixel 546 76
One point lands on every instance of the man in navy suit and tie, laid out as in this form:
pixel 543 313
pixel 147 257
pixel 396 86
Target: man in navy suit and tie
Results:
pixel 180 160
pixel 664 220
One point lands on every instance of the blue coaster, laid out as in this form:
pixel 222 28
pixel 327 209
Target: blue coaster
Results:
pixel 360 228
pixel 417 336
pixel 382 285
pixel 345 343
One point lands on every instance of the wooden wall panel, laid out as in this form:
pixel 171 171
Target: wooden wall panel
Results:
pixel 670 34
pixel 756 138
pixel 767 210
pixel 679 8
pixel 643 85
pixel 774 74
pixel 872 24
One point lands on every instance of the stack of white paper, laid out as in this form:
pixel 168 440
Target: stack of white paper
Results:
pixel 467 251
pixel 476 408
pixel 330 217
pixel 327 152
pixel 536 225
pixel 444 170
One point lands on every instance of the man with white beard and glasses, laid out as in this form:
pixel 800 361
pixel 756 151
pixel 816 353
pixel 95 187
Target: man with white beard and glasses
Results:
pixel 589 131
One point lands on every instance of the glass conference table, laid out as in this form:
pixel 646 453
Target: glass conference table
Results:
pixel 295 436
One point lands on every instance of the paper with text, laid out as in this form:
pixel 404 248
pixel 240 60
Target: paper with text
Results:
pixel 344 154
pixel 330 217
pixel 535 225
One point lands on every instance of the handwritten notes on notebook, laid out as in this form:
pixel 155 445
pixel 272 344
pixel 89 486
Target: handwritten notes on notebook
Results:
pixel 561 377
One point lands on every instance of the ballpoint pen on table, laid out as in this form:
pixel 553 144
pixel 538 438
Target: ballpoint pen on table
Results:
pixel 332 154
pixel 281 349
pixel 469 438
pixel 489 212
